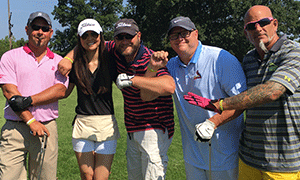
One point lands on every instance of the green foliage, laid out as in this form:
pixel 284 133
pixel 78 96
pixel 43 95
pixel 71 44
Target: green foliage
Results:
pixel 69 13
pixel 4 44
pixel 220 23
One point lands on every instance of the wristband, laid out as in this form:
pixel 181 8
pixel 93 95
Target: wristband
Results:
pixel 152 70
pixel 30 121
pixel 69 59
pixel 221 105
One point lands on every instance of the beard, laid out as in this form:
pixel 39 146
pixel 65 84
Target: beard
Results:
pixel 262 45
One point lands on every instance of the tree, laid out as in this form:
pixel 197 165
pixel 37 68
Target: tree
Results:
pixel 220 23
pixel 5 44
pixel 69 13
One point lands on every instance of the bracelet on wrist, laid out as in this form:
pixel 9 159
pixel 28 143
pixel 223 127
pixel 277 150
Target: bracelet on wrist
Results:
pixel 221 105
pixel 69 59
pixel 30 121
pixel 150 69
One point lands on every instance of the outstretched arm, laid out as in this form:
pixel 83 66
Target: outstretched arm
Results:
pixel 256 96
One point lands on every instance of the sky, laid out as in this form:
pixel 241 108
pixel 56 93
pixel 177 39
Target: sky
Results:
pixel 21 9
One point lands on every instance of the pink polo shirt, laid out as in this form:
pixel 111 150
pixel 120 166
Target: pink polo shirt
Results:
pixel 19 67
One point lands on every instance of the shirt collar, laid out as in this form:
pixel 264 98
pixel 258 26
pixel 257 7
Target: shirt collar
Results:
pixel 195 56
pixel 197 53
pixel 26 48
pixel 278 43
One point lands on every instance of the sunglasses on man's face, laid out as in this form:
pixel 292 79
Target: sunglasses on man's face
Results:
pixel 44 28
pixel 262 22
pixel 86 34
pixel 120 37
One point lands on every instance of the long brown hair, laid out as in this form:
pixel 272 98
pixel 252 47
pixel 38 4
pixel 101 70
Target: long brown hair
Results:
pixel 82 71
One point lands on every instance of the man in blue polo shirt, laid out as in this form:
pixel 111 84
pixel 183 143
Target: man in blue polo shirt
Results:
pixel 214 73
pixel 270 142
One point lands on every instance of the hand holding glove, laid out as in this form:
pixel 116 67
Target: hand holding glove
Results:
pixel 123 80
pixel 19 103
pixel 204 131
pixel 202 102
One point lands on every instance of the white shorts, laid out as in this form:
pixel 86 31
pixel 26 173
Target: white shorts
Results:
pixel 104 147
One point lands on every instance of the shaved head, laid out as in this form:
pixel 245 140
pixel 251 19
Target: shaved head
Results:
pixel 257 12
pixel 264 35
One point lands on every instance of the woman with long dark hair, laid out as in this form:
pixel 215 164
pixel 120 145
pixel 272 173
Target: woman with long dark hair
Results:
pixel 95 130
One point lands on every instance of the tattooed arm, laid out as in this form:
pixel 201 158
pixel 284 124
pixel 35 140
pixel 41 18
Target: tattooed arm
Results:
pixel 256 96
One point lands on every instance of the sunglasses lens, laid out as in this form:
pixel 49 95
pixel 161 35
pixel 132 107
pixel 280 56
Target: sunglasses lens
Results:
pixel 94 34
pixel 86 34
pixel 44 28
pixel 126 36
pixel 250 26
pixel 263 22
pixel 35 27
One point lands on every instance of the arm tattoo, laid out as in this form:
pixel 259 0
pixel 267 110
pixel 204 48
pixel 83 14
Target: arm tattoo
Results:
pixel 257 95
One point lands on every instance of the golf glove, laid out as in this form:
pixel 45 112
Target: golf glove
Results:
pixel 19 103
pixel 202 102
pixel 204 131
pixel 123 80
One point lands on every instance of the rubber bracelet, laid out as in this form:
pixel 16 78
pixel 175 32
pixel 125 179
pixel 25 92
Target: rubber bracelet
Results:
pixel 221 105
pixel 30 121
pixel 69 59
pixel 152 70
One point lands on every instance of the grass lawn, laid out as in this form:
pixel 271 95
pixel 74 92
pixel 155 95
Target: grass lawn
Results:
pixel 67 163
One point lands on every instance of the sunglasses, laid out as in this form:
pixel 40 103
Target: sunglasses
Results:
pixel 44 28
pixel 86 34
pixel 120 37
pixel 183 34
pixel 262 22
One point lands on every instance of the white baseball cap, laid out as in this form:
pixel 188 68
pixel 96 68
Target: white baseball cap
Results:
pixel 89 25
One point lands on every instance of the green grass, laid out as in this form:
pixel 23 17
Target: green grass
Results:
pixel 67 164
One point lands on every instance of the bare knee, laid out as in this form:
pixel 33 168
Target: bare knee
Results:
pixel 86 174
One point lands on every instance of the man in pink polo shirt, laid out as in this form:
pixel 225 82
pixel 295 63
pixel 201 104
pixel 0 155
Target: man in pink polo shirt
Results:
pixel 32 86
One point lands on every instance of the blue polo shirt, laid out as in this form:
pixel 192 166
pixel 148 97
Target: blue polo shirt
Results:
pixel 212 73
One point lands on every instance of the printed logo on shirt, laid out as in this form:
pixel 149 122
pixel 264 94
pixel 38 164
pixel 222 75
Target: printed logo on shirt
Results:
pixel 53 68
pixel 1 75
pixel 198 76
pixel 287 78
pixel 272 67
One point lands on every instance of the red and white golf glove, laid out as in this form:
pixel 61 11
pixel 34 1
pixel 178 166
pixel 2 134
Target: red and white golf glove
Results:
pixel 204 131
pixel 123 80
pixel 202 102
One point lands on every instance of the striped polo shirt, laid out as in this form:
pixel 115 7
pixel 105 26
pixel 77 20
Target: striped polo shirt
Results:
pixel 271 138
pixel 143 115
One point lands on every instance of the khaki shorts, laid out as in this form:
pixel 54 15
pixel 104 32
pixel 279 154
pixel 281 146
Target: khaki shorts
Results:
pixel 16 142
pixel 96 128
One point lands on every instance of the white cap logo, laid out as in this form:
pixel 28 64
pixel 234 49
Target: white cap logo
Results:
pixel 122 24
